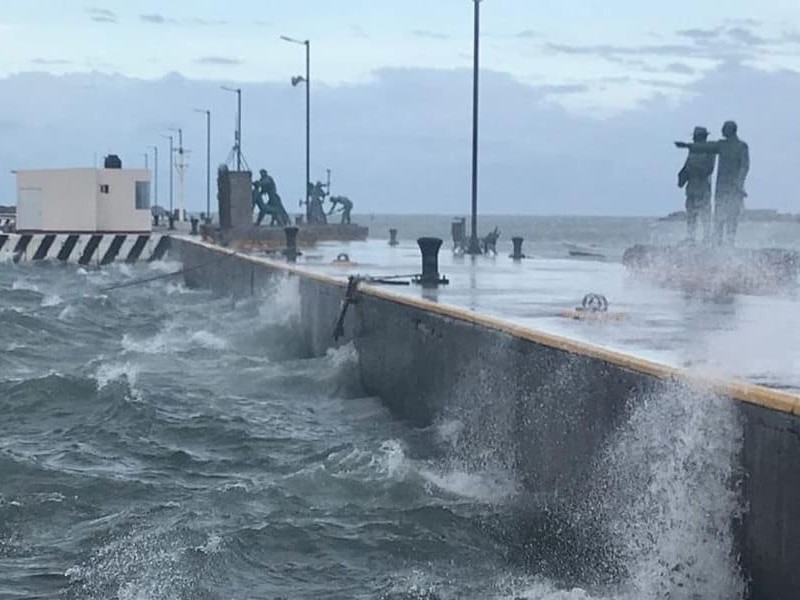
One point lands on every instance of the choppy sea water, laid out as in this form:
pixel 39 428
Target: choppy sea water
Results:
pixel 158 442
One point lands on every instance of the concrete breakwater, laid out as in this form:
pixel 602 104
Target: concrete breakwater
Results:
pixel 683 477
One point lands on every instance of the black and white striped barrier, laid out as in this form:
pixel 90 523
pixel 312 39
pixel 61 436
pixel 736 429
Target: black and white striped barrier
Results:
pixel 83 248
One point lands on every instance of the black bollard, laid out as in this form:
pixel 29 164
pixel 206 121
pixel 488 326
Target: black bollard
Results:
pixel 393 237
pixel 517 255
pixel 194 221
pixel 156 219
pixel 291 243
pixel 429 247
pixel 171 221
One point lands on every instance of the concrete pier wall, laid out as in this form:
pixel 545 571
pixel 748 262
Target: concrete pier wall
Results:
pixel 550 406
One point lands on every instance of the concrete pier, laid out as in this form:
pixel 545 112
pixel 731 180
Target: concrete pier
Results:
pixel 555 402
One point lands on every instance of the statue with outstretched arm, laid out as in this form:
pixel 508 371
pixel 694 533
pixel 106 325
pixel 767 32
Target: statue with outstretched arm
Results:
pixel 733 164
pixel 695 177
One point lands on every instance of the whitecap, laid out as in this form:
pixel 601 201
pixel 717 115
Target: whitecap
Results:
pixel 110 372
pixel 206 339
pixel 66 314
pixel 52 300
pixel 24 284
pixel 486 487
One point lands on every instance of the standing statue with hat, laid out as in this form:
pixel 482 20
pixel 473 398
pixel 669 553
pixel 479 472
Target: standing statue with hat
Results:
pixel 732 169
pixel 695 176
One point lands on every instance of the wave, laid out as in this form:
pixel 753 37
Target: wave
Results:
pixel 172 339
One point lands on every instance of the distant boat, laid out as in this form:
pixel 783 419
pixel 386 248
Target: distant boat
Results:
pixel 583 251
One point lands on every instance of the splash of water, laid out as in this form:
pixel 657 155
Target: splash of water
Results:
pixel 668 490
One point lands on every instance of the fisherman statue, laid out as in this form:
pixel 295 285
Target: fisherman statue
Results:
pixel 278 214
pixel 346 207
pixel 316 212
pixel 732 168
pixel 695 176
pixel 265 185
pixel 258 197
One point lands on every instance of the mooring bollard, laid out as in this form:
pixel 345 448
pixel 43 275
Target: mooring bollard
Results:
pixel 171 221
pixel 517 255
pixel 429 247
pixel 291 243
pixel 194 221
pixel 393 237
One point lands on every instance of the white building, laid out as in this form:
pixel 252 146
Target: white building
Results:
pixel 83 200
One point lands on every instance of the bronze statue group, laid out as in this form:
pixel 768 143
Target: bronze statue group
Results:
pixel 732 159
pixel 265 186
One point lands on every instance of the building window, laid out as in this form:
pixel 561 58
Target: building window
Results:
pixel 142 195
pixel 104 188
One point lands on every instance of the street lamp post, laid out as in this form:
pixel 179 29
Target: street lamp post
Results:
pixel 146 156
pixel 155 172
pixel 171 154
pixel 474 246
pixel 180 167
pixel 237 143
pixel 208 161
pixel 295 81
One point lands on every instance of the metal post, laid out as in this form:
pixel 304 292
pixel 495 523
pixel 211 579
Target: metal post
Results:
pixel 208 161
pixel 295 81
pixel 474 246
pixel 208 166
pixel 171 155
pixel 308 129
pixel 145 160
pixel 238 129
pixel 155 172
pixel 237 142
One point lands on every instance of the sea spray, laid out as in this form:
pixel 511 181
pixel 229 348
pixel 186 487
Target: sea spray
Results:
pixel 667 487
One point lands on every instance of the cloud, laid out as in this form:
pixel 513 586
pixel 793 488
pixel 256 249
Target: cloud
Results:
pixel 358 32
pixel 700 35
pixel 565 88
pixel 745 36
pixel 429 35
pixel 661 83
pixel 580 163
pixel 101 15
pixel 791 37
pixel 679 68
pixel 155 19
pixel 528 34
pixel 205 22
pixel 51 62
pixel 220 61
pixel 611 51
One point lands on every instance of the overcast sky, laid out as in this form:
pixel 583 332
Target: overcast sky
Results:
pixel 592 91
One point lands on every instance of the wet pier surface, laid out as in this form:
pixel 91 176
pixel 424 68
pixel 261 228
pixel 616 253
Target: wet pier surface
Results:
pixel 749 337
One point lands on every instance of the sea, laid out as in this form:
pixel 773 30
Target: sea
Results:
pixel 160 442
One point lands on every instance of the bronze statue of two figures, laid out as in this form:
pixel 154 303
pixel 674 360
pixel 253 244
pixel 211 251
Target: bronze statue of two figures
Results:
pixel 733 162
pixel 265 186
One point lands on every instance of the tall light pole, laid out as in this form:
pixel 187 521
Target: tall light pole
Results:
pixel 145 154
pixel 180 167
pixel 155 172
pixel 208 161
pixel 237 142
pixel 474 246
pixel 295 81
pixel 171 154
